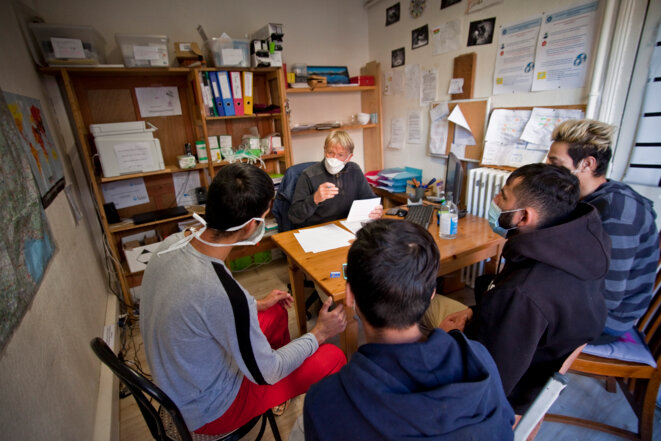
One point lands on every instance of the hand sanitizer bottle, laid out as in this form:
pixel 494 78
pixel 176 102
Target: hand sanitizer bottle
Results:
pixel 449 215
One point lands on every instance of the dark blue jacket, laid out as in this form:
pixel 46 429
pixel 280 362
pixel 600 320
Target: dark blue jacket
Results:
pixel 285 196
pixel 446 388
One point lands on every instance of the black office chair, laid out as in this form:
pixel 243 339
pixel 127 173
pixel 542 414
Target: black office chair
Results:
pixel 167 423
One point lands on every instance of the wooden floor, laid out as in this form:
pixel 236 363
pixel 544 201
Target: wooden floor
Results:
pixel 610 408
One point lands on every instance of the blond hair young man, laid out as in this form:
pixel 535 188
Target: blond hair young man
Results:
pixel 584 148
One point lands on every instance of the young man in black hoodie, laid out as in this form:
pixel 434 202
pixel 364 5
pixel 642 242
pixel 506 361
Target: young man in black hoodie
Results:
pixel 401 384
pixel 547 300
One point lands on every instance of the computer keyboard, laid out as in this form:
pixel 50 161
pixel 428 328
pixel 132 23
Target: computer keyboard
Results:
pixel 420 214
pixel 152 216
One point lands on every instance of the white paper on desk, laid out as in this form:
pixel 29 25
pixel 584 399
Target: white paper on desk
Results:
pixel 397 133
pixel 185 184
pixel 506 126
pixel 542 121
pixel 125 193
pixel 353 226
pixel 158 101
pixel 456 86
pixel 324 238
pixel 361 209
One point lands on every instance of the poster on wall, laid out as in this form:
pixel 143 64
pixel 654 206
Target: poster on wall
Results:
pixel 37 142
pixel 563 48
pixel 515 60
pixel 446 37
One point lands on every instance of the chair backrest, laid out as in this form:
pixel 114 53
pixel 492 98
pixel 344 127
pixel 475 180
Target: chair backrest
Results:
pixel 141 388
pixel 285 194
pixel 650 323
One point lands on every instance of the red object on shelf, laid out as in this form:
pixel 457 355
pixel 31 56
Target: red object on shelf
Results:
pixel 363 80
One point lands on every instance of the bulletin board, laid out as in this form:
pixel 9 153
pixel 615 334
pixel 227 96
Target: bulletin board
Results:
pixel 475 113
pixel 581 107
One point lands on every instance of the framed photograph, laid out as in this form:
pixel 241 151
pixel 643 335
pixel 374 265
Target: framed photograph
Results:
pixel 420 37
pixel 392 14
pixel 481 31
pixel 446 3
pixel 398 57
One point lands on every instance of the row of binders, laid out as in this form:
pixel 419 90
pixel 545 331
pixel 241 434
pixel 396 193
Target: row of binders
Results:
pixel 225 94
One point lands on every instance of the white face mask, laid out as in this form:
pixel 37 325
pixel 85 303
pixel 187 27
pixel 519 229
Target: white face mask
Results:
pixel 254 238
pixel 334 165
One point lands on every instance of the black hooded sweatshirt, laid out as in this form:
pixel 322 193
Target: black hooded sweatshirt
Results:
pixel 545 302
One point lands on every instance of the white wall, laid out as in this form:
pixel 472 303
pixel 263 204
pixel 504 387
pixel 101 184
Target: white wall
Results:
pixel 50 377
pixel 382 40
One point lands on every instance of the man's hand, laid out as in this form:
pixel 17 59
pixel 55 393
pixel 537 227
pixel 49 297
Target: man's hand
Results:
pixel 456 320
pixel 275 296
pixel 329 323
pixel 377 213
pixel 325 191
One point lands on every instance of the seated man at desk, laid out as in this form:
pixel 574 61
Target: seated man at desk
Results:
pixel 584 148
pixel 547 300
pixel 325 191
pixel 220 355
pixel 402 384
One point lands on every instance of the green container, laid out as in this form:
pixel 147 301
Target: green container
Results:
pixel 241 263
pixel 263 257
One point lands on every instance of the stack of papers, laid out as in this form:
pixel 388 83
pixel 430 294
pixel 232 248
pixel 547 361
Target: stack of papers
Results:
pixel 324 238
pixel 360 214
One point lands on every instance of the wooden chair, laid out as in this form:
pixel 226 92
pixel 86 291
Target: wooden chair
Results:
pixel 167 423
pixel 639 382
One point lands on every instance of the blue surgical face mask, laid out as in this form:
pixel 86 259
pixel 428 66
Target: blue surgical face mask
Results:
pixel 494 216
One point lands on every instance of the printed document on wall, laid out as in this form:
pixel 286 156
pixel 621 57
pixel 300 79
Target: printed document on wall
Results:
pixel 542 121
pixel 414 129
pixel 412 79
pixel 515 61
pixel 428 86
pixel 446 37
pixel 158 101
pixel 506 126
pixel 185 184
pixel 397 133
pixel 564 48
pixel 126 193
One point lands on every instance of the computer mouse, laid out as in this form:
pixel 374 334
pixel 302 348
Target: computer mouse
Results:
pixel 401 212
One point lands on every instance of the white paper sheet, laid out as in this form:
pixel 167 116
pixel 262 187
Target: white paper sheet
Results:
pixel 414 130
pixel 564 48
pixel 361 209
pixel 478 5
pixel 438 136
pixel 397 133
pixel 456 86
pixel 457 117
pixel 463 136
pixel 412 80
pixel 324 238
pixel 459 150
pixel 185 184
pixel 543 120
pixel 158 101
pixel 134 156
pixel 125 193
pixel 428 88
pixel 67 47
pixel 506 126
pixel 446 37
pixel 439 111
pixel 515 60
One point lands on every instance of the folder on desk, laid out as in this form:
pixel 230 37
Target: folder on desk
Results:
pixel 226 93
pixel 217 97
pixel 247 93
pixel 235 80
pixel 394 179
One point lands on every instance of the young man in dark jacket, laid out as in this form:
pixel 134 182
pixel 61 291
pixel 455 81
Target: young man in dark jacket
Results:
pixel 401 384
pixel 547 300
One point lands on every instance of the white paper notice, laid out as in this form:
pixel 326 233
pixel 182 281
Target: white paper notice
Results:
pixel 414 127
pixel 125 193
pixel 67 48
pixel 412 75
pixel 146 52
pixel 446 37
pixel 361 209
pixel 542 121
pixel 515 61
pixel 456 86
pixel 397 133
pixel 463 136
pixel 134 156
pixel 459 150
pixel 158 101
pixel 458 118
pixel 439 111
pixel 563 48
pixel 438 136
pixel 506 126
pixel 429 81
pixel 185 184
pixel 324 238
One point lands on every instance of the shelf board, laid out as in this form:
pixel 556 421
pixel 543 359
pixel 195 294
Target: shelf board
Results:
pixel 127 224
pixel 252 116
pixel 295 90
pixel 169 169
pixel 116 70
pixel 311 131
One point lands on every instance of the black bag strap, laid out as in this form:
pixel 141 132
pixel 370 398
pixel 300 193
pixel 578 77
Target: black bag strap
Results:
pixel 241 320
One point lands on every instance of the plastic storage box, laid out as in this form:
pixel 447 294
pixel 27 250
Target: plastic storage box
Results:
pixel 141 50
pixel 225 52
pixel 69 44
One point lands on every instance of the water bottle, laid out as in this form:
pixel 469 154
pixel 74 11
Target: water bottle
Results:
pixel 449 215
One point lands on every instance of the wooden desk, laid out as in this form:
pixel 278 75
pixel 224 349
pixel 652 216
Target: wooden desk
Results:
pixel 475 242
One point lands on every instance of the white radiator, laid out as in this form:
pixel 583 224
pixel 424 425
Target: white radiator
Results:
pixel 483 185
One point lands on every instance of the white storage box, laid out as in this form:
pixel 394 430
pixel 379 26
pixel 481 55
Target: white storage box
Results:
pixel 69 44
pixel 140 50
pixel 228 52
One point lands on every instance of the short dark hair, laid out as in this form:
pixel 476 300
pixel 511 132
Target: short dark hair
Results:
pixel 551 189
pixel 392 268
pixel 586 137
pixel 238 193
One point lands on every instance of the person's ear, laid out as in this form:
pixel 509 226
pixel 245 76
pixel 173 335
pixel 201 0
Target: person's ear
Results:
pixel 526 218
pixel 590 163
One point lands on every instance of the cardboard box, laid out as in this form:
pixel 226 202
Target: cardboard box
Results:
pixel 188 54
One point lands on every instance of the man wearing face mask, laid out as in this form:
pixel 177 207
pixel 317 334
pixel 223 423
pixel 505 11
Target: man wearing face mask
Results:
pixel 220 355
pixel 583 146
pixel 325 191
pixel 547 300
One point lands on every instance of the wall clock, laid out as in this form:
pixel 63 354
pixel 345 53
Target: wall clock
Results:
pixel 417 7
